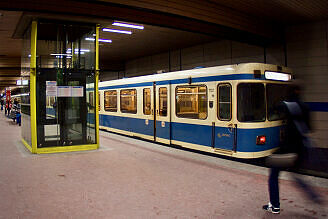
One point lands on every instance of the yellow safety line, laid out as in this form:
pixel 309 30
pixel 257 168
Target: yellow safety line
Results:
pixel 26 145
pixel 33 87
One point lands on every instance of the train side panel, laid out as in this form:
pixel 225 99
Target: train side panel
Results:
pixel 196 111
pixel 133 124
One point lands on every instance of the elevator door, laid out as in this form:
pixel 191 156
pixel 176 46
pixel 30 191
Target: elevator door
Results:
pixel 62 120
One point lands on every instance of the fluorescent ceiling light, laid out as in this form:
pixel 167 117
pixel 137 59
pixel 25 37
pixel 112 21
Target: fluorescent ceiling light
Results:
pixel 116 31
pixel 99 40
pixel 128 25
pixel 77 50
pixel 277 76
pixel 59 54
pixel 60 57
pixel 104 40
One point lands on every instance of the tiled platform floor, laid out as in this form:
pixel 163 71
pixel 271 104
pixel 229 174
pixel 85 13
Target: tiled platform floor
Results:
pixel 129 178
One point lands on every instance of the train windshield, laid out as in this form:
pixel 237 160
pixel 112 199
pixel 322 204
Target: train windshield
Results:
pixel 276 93
pixel 251 102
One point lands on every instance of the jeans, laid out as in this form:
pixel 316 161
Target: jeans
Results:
pixel 274 187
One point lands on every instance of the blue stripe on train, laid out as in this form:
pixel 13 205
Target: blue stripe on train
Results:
pixel 246 139
pixel 163 132
pixel 210 78
pixel 194 134
pixel 127 124
pixel 91 118
pixel 144 84
pixel 186 81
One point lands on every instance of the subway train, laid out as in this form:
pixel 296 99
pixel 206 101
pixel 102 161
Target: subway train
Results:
pixel 229 110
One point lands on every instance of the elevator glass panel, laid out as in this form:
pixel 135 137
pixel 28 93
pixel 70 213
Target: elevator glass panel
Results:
pixel 65 84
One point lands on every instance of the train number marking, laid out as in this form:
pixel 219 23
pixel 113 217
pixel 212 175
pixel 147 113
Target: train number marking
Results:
pixel 223 135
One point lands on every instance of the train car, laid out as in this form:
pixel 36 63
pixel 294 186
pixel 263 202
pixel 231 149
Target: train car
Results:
pixel 229 110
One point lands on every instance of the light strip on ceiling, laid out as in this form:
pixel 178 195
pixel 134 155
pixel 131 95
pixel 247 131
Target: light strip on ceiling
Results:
pixel 59 54
pixel 77 50
pixel 140 27
pixel 116 31
pixel 100 40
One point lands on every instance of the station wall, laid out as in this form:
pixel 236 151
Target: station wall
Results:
pixel 307 55
pixel 307 51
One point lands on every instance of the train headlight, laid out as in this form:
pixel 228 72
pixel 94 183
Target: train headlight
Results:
pixel 260 140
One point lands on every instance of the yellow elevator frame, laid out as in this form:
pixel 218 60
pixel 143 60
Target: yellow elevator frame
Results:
pixel 56 149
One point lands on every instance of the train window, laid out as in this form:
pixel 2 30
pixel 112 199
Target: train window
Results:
pixel 224 102
pixel 128 101
pixel 146 101
pixel 276 93
pixel 163 101
pixel 110 99
pixel 251 102
pixel 191 102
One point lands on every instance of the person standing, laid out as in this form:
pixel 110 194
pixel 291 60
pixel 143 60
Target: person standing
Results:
pixel 6 107
pixel 9 108
pixel 297 116
pixel 2 102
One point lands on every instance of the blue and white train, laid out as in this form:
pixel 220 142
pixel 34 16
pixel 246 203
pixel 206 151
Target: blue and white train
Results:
pixel 229 110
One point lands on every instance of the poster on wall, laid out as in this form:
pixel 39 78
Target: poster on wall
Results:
pixel 51 88
pixel 77 91
pixel 64 91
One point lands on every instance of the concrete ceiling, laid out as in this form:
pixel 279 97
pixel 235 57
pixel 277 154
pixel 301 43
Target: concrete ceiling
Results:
pixel 10 49
pixel 150 40
pixel 252 21
pixel 281 11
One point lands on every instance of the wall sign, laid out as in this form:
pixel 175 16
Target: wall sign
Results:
pixel 51 88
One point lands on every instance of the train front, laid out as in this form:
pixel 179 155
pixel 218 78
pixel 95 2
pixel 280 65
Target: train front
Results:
pixel 259 116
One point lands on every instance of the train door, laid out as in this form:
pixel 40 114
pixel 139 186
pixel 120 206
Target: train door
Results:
pixel 225 130
pixel 163 114
pixel 148 112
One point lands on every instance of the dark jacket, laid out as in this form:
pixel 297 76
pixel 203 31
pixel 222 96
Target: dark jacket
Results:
pixel 297 126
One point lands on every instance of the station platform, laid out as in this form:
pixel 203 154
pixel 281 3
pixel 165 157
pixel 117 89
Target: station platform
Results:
pixel 130 178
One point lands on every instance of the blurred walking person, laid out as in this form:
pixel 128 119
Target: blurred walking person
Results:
pixel 292 147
